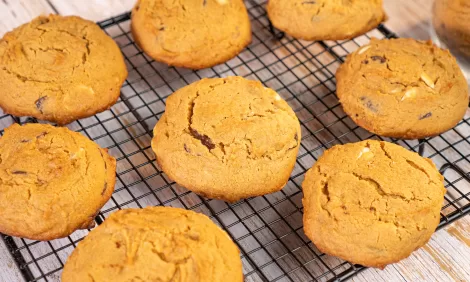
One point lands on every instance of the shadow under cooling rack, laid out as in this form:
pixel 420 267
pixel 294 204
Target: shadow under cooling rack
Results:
pixel 268 230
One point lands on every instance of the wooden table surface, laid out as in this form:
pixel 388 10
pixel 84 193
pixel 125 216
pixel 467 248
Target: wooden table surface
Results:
pixel 445 258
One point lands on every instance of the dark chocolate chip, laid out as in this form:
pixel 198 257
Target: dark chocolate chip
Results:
pixel 368 103
pixel 204 2
pixel 39 103
pixel 91 225
pixel 43 20
pixel 205 140
pixel 19 172
pixel 162 28
pixel 365 62
pixel 426 115
pixel 118 245
pixel 371 106
pixel 104 188
pixel 379 58
pixel 187 149
pixel 296 138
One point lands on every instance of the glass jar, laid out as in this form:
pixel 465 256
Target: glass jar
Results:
pixel 451 29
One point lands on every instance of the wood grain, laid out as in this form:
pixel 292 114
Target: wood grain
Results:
pixel 445 258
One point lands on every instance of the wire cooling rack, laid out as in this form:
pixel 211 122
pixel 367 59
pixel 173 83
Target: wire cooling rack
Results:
pixel 268 229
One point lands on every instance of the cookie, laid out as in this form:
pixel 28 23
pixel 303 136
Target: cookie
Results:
pixel 371 203
pixel 193 34
pixel 402 88
pixel 325 19
pixel 155 244
pixel 450 21
pixel 53 181
pixel 59 69
pixel 227 138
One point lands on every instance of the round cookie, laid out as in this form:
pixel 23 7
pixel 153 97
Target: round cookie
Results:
pixel 59 69
pixel 191 34
pixel 325 19
pixel 155 244
pixel 402 88
pixel 52 181
pixel 451 18
pixel 371 203
pixel 227 138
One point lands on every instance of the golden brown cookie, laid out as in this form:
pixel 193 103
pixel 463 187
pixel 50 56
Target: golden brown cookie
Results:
pixel 371 203
pixel 155 244
pixel 193 34
pixel 402 88
pixel 451 22
pixel 325 19
pixel 59 69
pixel 53 181
pixel 227 138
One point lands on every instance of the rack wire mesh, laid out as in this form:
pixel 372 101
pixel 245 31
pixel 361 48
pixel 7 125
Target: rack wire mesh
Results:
pixel 268 229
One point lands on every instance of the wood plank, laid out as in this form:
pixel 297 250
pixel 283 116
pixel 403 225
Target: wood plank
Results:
pixel 9 272
pixel 445 258
pixel 16 12
pixel 93 10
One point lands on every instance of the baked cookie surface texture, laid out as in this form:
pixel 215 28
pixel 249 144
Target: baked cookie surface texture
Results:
pixel 325 19
pixel 402 88
pixel 371 203
pixel 53 181
pixel 451 22
pixel 191 33
pixel 155 244
pixel 227 138
pixel 59 69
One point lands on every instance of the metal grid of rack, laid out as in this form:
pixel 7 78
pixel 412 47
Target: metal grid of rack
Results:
pixel 268 230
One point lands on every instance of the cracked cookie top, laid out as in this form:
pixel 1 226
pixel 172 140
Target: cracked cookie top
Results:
pixel 325 19
pixel 59 69
pixel 402 88
pixel 155 244
pixel 227 138
pixel 52 181
pixel 193 34
pixel 371 203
